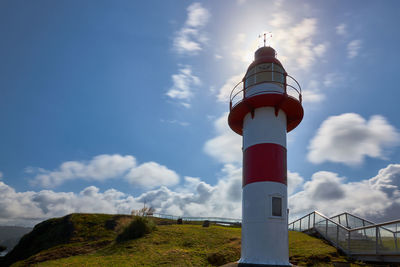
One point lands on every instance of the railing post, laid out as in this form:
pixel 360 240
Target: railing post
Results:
pixel 365 232
pixel 244 88
pixel 395 238
pixel 309 218
pixel 314 220
pixel 348 242
pixel 376 240
pixel 300 225
pixel 337 235
pixel 285 85
pixel 326 228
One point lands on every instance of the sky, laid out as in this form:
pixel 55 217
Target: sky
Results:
pixel 105 105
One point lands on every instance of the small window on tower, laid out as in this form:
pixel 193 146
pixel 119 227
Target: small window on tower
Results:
pixel 277 206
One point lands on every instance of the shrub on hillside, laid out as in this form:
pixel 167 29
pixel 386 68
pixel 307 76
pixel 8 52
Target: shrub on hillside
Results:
pixel 145 211
pixel 137 228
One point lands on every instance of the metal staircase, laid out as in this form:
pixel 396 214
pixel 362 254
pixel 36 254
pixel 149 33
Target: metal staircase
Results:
pixel 358 238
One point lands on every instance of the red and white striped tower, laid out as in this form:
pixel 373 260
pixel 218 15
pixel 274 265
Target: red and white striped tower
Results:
pixel 262 111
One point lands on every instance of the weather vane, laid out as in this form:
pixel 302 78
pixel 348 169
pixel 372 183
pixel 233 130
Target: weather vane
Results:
pixel 265 35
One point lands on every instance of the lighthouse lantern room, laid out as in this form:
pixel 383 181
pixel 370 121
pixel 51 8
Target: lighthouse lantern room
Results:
pixel 264 106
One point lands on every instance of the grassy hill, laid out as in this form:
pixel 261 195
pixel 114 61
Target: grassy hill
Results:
pixel 89 240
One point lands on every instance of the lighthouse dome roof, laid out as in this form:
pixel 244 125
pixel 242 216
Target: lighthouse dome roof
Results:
pixel 265 54
pixel 265 51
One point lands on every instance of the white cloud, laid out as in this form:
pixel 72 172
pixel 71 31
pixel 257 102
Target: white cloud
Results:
pixel 353 48
pixel 341 29
pixel 243 51
pixel 194 198
pixel 103 167
pixel 226 146
pixel 280 19
pixel 293 40
pixel 376 199
pixel 241 37
pixel 294 182
pixel 313 93
pixel 388 180
pixel 186 105
pixel 296 43
pixel 183 85
pixel 181 123
pixel 198 198
pixel 100 168
pixel 152 174
pixel 190 38
pixel 198 16
pixel 320 49
pixel 348 138
pixel 333 79
pixel 28 208
pixel 226 89
pixel 310 96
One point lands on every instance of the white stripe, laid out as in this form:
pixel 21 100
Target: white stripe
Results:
pixel 264 88
pixel 264 237
pixel 265 127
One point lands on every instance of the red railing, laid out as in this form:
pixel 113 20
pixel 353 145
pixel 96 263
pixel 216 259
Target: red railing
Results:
pixel 292 89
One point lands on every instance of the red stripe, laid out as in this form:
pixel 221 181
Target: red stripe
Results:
pixel 291 106
pixel 264 162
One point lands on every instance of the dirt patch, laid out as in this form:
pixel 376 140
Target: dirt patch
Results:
pixel 217 259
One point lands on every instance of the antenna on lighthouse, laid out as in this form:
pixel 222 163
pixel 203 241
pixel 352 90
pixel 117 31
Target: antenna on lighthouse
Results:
pixel 265 35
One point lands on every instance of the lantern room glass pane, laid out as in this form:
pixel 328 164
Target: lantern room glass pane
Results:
pixel 278 74
pixel 264 72
pixel 250 78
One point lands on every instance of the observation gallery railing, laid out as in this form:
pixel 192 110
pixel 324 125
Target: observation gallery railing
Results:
pixel 285 85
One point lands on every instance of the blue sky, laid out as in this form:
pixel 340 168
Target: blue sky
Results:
pixel 106 105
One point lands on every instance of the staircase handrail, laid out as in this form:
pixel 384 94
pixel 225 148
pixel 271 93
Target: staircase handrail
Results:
pixel 377 225
pixel 325 217
pixel 344 213
pixel 357 243
pixel 351 229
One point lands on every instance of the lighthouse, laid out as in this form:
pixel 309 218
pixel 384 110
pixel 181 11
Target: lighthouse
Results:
pixel 264 106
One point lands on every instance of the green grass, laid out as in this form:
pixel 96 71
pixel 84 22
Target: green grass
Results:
pixel 305 250
pixel 177 245
pixel 92 242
